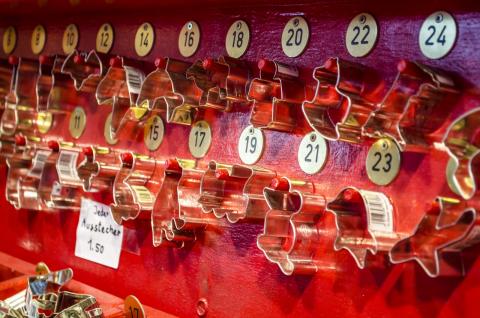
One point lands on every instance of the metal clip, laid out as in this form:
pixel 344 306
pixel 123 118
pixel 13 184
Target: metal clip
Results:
pixel 86 70
pixel 169 89
pixel 277 97
pixel 448 227
pixel 291 235
pixel 235 191
pixel 416 106
pixel 135 187
pixel 224 84
pixel 177 214
pixel 345 96
pixel 462 141
pixel 364 221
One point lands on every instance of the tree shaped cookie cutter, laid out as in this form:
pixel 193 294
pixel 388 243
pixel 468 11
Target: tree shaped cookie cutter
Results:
pixel 177 216
pixel 19 114
pixel 277 97
pixel 364 221
pixel 235 191
pixel 226 81
pixel 345 96
pixel 416 106
pixel 135 187
pixel 85 69
pixel 462 142
pixel 291 235
pixel 121 87
pixel 448 227
pixel 169 89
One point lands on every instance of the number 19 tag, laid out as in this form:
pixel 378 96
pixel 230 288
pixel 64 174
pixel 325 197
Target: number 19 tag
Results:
pixel 250 145
pixel 312 153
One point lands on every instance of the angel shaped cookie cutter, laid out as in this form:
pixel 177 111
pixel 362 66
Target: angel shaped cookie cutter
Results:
pixel 169 89
pixel 235 191
pixel 364 221
pixel 135 187
pixel 345 96
pixel 291 235
pixel 277 97
pixel 462 142
pixel 177 216
pixel 416 106
pixel 448 227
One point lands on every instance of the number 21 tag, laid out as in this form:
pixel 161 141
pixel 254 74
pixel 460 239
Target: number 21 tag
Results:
pixel 312 153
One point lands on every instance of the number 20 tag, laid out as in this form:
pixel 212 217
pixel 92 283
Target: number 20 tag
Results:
pixel 383 161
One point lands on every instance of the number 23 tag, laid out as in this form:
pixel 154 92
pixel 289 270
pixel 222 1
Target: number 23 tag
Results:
pixel 383 161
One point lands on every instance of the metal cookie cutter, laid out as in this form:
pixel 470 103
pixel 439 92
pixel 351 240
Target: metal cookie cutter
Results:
pixel 8 72
pixel 462 141
pixel 121 87
pixel 277 97
pixel 226 84
pixel 19 164
pixel 291 235
pixel 345 96
pixel 20 103
pixel 169 89
pixel 448 227
pixel 135 187
pixel 70 305
pixel 416 106
pixel 235 191
pixel 177 215
pixel 86 70
pixel 365 222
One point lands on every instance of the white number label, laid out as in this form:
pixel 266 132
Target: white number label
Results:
pixel 437 35
pixel 39 37
pixel 238 38
pixel 99 238
pixel 383 161
pixel 312 153
pixel 361 35
pixel 153 133
pixel 105 37
pixel 200 139
pixel 70 39
pixel 144 39
pixel 78 121
pixel 295 36
pixel 189 39
pixel 250 145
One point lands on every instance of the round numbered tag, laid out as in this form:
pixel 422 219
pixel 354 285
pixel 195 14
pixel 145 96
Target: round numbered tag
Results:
pixel 189 39
pixel 312 153
pixel 295 36
pixel 437 35
pixel 105 37
pixel 44 122
pixel 107 131
pixel 250 145
pixel 153 133
pixel 39 37
pixel 361 35
pixel 133 308
pixel 9 40
pixel 70 39
pixel 383 161
pixel 77 123
pixel 238 38
pixel 144 39
pixel 200 139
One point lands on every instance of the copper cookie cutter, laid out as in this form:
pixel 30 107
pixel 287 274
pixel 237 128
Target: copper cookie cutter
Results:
pixel 177 215
pixel 224 84
pixel 277 97
pixel 365 223
pixel 169 89
pixel 85 69
pixel 135 186
pixel 448 227
pixel 20 103
pixel 291 235
pixel 462 142
pixel 120 88
pixel 235 191
pixel 8 72
pixel 345 96
pixel 416 106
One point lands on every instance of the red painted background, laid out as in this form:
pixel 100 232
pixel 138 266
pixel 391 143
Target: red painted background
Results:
pixel 224 265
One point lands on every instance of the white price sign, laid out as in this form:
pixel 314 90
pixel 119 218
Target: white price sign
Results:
pixel 99 238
